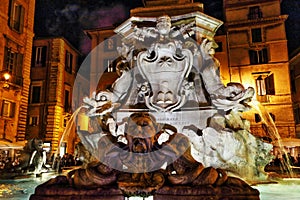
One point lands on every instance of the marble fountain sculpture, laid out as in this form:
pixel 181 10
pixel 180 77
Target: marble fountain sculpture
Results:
pixel 168 127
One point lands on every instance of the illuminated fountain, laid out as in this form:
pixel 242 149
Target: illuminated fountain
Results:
pixel 31 161
pixel 168 127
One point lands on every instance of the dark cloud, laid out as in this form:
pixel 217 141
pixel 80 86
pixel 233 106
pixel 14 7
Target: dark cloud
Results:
pixel 292 24
pixel 69 18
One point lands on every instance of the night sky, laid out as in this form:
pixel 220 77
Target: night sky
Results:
pixel 69 18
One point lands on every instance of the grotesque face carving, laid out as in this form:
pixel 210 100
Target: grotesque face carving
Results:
pixel 141 132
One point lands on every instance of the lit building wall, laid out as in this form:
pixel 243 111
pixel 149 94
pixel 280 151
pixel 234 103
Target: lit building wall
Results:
pixel 104 51
pixel 221 54
pixel 295 87
pixel 259 58
pixel 53 72
pixel 16 34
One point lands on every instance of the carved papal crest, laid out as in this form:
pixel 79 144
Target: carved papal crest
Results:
pixel 165 67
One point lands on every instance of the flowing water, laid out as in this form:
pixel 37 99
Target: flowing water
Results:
pixel 66 134
pixel 287 189
pixel 273 132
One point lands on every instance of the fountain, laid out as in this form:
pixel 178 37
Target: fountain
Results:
pixel 31 161
pixel 168 127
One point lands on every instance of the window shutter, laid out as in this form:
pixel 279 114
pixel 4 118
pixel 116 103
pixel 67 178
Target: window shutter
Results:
pixel 12 110
pixel 10 14
pixel 264 58
pixel 1 109
pixel 21 20
pixel 270 87
pixel 19 68
pixel 33 56
pixel 253 57
pixel 71 63
pixel 44 55
pixel 66 58
pixel 5 60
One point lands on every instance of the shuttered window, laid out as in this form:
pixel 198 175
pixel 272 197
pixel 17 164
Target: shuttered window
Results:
pixel 8 108
pixel 16 16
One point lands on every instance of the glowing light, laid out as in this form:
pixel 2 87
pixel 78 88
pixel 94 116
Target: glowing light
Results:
pixel 6 76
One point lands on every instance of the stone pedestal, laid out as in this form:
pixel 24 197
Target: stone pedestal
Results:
pixel 206 193
pixel 59 189
pixel 62 190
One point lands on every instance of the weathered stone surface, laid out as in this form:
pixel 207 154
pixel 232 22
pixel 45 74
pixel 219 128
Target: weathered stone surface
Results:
pixel 59 188
pixel 233 189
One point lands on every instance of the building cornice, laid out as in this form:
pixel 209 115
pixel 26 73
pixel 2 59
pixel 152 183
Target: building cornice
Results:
pixel 104 30
pixel 246 3
pixel 175 9
pixel 58 38
pixel 262 21
pixel 295 56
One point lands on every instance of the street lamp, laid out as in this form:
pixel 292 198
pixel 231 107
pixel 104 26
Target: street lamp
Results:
pixel 6 76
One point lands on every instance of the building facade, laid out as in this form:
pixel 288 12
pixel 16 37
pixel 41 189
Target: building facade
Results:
pixel 104 43
pixel 16 35
pixel 53 72
pixel 295 87
pixel 258 57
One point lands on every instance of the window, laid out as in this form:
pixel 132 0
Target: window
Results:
pixel 67 105
pixel 108 65
pixel 39 56
pixel 258 56
pixel 13 62
pixel 10 59
pixel 220 47
pixel 16 16
pixel 33 121
pixel 265 85
pixel 68 62
pixel 297 115
pixel 272 116
pixel 109 44
pixel 257 118
pixel 255 13
pixel 256 35
pixel 293 81
pixel 36 94
pixel 8 108
pixel 65 123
